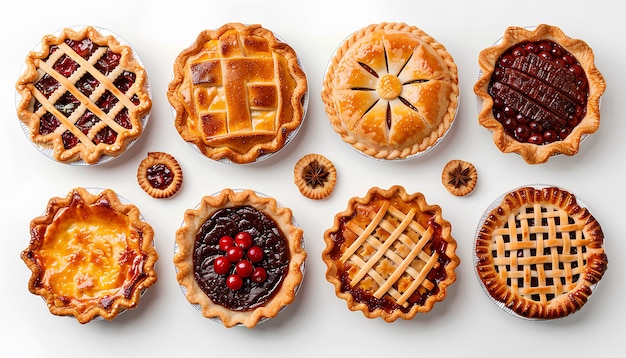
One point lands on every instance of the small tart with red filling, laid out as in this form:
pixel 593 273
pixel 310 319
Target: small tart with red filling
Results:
pixel 160 175
pixel 390 254
pixel 91 255
pixel 239 257
pixel 539 92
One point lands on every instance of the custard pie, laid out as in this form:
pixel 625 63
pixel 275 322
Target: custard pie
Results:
pixel 239 257
pixel 539 253
pixel 239 93
pixel 390 254
pixel 91 255
pixel 539 92
pixel 84 96
pixel 391 91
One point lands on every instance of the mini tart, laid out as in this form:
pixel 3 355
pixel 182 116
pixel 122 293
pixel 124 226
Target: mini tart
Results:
pixel 90 255
pixel 391 91
pixel 198 247
pixel 459 177
pixel 539 254
pixel 239 93
pixel 315 176
pixel 390 254
pixel 160 175
pixel 83 96
pixel 539 92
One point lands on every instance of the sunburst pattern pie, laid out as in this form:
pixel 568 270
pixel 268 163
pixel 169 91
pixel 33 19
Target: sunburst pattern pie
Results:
pixel 539 252
pixel 239 257
pixel 390 254
pixel 91 255
pixel 239 93
pixel 539 92
pixel 84 96
pixel 391 91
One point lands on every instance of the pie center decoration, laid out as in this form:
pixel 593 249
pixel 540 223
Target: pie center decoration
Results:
pixel 389 87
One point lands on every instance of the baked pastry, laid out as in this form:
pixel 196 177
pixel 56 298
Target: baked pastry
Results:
pixel 160 175
pixel 391 91
pixel 91 255
pixel 239 93
pixel 83 96
pixel 239 257
pixel 539 253
pixel 390 254
pixel 315 176
pixel 459 177
pixel 539 92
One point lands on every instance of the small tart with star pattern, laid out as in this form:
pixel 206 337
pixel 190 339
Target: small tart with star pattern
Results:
pixel 315 176
pixel 459 177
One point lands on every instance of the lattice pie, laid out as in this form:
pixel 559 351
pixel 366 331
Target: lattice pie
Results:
pixel 540 253
pixel 390 254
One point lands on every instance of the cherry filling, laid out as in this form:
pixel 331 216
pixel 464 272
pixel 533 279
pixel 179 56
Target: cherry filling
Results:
pixel 539 91
pixel 160 176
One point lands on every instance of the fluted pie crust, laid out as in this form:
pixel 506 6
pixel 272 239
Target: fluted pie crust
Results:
pixel 186 241
pixel 391 91
pixel 238 92
pixel 539 253
pixel 91 255
pixel 533 153
pixel 390 254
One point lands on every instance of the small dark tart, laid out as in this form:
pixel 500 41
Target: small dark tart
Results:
pixel 539 92
pixel 160 175
pixel 239 257
pixel 390 254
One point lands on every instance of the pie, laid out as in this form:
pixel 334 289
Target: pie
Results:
pixel 459 177
pixel 315 176
pixel 84 96
pixel 391 91
pixel 390 254
pixel 239 257
pixel 539 92
pixel 239 93
pixel 160 175
pixel 91 255
pixel 540 253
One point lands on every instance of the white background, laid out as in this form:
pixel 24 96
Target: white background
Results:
pixel 317 322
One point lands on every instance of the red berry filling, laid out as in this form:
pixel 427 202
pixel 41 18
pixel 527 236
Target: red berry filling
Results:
pixel 240 252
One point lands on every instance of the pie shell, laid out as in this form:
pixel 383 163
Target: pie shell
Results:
pixel 222 126
pixel 497 259
pixel 531 153
pixel 123 269
pixel 359 103
pixel 183 257
pixel 459 177
pixel 87 151
pixel 172 165
pixel 315 176
pixel 411 221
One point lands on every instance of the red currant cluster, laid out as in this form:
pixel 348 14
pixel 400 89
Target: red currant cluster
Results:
pixel 241 252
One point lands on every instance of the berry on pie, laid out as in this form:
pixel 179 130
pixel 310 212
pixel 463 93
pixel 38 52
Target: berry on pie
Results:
pixel 539 92
pixel 239 257
pixel 83 96
pixel 160 175
pixel 390 254
pixel 391 91
pixel 539 253
pixel 91 255
pixel 315 176
pixel 238 92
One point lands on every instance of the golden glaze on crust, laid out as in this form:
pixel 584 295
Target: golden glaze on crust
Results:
pixel 90 148
pixel 186 237
pixel 532 153
pixel 90 255
pixel 390 254
pixel 540 253
pixel 391 91
pixel 238 93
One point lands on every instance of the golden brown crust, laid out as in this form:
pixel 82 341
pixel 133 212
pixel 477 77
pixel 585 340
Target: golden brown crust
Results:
pixel 383 250
pixel 105 250
pixel 206 92
pixel 540 270
pixel 459 177
pixel 315 176
pixel 183 258
pixel 160 175
pixel 391 91
pixel 90 149
pixel 532 153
